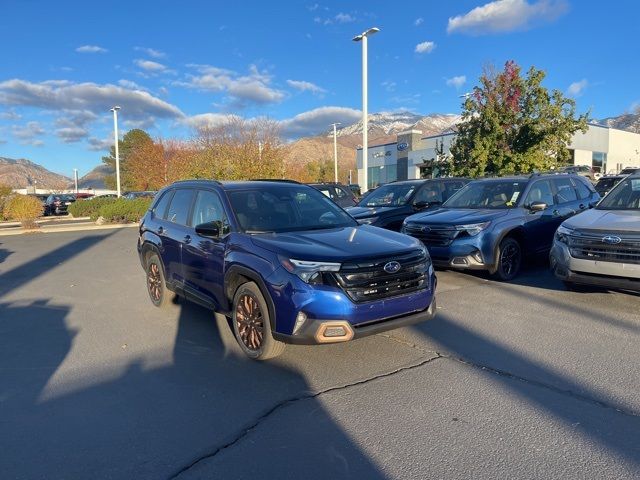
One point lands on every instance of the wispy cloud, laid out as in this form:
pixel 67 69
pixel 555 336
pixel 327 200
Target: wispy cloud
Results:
pixel 418 21
pixel 577 88
pixel 304 86
pixel 151 52
pixel 27 134
pixel 425 47
pixel 456 82
pixel 389 85
pixel 344 18
pixel 150 65
pixel 503 16
pixel 318 120
pixel 91 49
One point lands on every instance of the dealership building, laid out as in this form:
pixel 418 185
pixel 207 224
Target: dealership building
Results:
pixel 412 155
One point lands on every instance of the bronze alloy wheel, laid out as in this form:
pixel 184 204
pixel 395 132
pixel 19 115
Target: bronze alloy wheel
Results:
pixel 154 282
pixel 250 322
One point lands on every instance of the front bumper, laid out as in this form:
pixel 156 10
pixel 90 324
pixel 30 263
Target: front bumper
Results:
pixel 464 256
pixel 591 272
pixel 312 332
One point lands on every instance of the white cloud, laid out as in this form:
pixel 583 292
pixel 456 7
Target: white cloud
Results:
pixel 318 120
pixel 418 21
pixel 457 82
pixel 304 86
pixel 10 114
pixel 27 134
pixel 506 16
pixel 131 85
pixel 577 88
pixel 97 99
pixel 91 49
pixel 206 121
pixel 344 18
pixel 150 65
pixel 72 134
pixel 253 88
pixel 389 86
pixel 75 118
pixel 97 144
pixel 151 52
pixel 425 47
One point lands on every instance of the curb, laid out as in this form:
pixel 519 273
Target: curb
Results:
pixel 70 228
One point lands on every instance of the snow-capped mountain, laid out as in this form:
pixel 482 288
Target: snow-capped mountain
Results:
pixel 392 123
pixel 626 121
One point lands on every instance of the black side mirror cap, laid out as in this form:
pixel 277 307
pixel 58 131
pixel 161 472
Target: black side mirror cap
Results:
pixel 209 229
pixel 423 205
pixel 537 206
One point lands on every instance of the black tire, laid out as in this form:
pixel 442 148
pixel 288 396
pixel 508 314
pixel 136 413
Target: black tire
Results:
pixel 509 260
pixel 159 294
pixel 252 324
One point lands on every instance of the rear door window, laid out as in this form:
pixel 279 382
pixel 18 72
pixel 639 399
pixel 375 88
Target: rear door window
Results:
pixel 582 189
pixel 178 211
pixel 565 192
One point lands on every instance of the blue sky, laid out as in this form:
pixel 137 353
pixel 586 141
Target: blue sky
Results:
pixel 172 66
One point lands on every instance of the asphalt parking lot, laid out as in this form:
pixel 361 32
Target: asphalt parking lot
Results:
pixel 520 380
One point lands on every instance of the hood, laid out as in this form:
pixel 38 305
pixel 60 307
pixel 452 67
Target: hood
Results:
pixel 337 244
pixel 457 216
pixel 366 212
pixel 606 220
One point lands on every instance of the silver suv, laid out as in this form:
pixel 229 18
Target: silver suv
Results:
pixel 602 246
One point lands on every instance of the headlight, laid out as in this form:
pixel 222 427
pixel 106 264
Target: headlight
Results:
pixel 473 229
pixel 563 233
pixel 309 271
pixel 367 221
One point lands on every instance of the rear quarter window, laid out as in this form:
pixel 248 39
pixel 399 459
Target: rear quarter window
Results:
pixel 160 208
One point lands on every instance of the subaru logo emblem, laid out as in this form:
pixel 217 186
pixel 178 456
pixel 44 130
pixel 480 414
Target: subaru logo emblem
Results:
pixel 425 229
pixel 611 239
pixel 391 267
pixel 403 146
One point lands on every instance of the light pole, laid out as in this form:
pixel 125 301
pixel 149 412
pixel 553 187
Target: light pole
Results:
pixel 75 178
pixel 115 139
pixel 365 124
pixel 335 152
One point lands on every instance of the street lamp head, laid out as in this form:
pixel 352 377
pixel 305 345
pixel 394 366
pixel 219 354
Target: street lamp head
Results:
pixel 367 33
pixel 115 108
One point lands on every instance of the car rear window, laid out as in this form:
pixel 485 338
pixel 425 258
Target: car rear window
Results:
pixel 180 204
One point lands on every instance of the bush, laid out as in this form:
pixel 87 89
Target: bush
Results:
pixel 89 208
pixel 5 192
pixel 122 210
pixel 23 208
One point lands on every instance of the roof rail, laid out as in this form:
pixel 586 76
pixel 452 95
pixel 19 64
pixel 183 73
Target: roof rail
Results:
pixel 285 180
pixel 198 180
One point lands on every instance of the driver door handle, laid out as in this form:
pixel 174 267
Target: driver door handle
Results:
pixel 160 230
pixel 582 206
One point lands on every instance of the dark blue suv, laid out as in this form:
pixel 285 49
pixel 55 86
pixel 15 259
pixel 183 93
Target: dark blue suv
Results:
pixel 492 224
pixel 284 262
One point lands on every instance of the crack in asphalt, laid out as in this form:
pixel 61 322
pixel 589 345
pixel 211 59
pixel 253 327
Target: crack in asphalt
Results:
pixel 289 401
pixel 513 376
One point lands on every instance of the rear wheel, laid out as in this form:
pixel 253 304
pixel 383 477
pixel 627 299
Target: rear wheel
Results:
pixel 252 324
pixel 156 285
pixel 509 259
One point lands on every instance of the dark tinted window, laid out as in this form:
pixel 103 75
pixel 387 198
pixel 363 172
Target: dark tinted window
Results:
pixel 208 208
pixel 161 207
pixel 429 193
pixel 625 196
pixel 606 184
pixel 540 192
pixel 340 193
pixel 488 194
pixel 450 188
pixel 565 191
pixel 582 189
pixel 179 209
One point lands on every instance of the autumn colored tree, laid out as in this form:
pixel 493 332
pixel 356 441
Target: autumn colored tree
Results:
pixel 511 124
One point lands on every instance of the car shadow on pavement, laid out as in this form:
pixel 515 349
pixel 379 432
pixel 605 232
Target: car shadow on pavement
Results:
pixel 542 387
pixel 136 417
pixel 4 253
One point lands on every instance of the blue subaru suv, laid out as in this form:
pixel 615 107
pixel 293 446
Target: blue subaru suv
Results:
pixel 284 262
pixel 492 224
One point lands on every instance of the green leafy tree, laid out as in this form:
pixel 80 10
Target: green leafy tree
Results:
pixel 132 141
pixel 511 124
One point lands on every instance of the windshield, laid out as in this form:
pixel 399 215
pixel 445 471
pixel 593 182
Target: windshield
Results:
pixel 286 208
pixel 605 184
pixel 488 194
pixel 390 195
pixel 625 196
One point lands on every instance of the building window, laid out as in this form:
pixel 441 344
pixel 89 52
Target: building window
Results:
pixel 380 175
pixel 599 162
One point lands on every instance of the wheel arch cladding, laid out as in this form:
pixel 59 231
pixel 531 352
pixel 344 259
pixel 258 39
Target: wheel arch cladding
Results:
pixel 236 276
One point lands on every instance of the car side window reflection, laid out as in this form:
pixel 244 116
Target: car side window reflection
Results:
pixel 178 211
pixel 208 209
pixel 540 192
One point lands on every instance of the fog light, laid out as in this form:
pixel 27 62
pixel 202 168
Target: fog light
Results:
pixel 459 261
pixel 477 257
pixel 300 319
pixel 335 332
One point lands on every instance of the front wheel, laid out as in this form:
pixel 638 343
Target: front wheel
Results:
pixel 509 260
pixel 252 324
pixel 156 284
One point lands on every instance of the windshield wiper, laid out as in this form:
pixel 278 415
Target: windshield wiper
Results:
pixel 252 232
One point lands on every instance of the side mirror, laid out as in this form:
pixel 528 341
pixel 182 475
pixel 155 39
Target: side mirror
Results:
pixel 209 229
pixel 537 206
pixel 422 205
